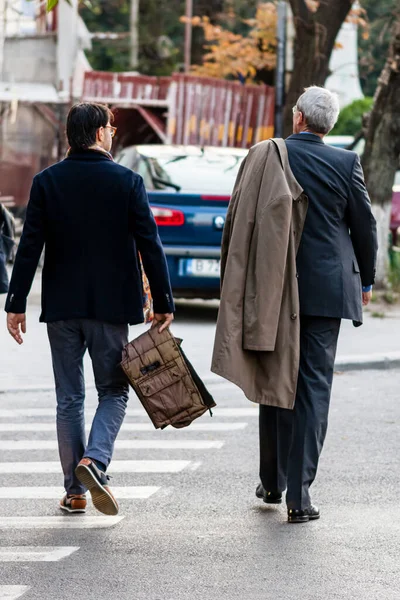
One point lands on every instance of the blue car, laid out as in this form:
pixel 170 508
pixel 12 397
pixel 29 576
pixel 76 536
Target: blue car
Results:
pixel 189 190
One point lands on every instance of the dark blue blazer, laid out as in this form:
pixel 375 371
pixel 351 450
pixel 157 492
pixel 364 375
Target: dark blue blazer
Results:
pixel 93 216
pixel 337 253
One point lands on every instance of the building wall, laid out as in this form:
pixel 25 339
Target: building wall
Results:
pixel 31 59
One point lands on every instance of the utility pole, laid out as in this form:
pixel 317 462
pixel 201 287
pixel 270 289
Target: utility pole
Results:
pixel 188 35
pixel 134 29
pixel 3 26
pixel 280 73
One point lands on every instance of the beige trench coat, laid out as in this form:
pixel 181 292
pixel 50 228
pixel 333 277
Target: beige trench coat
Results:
pixel 257 344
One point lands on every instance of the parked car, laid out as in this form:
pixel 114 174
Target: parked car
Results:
pixel 339 141
pixel 189 190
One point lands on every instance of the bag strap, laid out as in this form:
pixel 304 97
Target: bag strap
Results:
pixel 282 151
pixel 294 185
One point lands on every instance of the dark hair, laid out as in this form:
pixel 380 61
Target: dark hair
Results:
pixel 83 121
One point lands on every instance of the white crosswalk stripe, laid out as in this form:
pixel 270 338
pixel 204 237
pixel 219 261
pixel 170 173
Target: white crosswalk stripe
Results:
pixel 117 466
pixel 55 492
pixel 41 427
pixel 34 412
pixel 29 422
pixel 35 553
pixel 119 445
pixel 67 522
pixel 12 592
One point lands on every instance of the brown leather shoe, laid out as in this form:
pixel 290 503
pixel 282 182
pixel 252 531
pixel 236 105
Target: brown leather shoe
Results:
pixel 97 483
pixel 74 503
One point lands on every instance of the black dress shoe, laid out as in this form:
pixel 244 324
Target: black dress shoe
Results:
pixel 268 497
pixel 303 516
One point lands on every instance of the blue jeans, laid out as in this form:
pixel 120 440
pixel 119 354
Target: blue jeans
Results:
pixel 105 341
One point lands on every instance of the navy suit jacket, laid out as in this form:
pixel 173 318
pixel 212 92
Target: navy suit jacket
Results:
pixel 337 253
pixel 93 217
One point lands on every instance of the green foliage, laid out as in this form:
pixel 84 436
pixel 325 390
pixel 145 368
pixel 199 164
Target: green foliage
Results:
pixel 350 118
pixel 51 4
pixel 111 16
pixel 161 18
pixel 160 34
pixel 373 51
pixel 106 15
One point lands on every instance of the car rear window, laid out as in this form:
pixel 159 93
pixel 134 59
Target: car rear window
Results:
pixel 208 173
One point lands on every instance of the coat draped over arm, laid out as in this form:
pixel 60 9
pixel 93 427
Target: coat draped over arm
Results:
pixel 257 344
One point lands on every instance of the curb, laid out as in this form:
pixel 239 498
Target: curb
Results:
pixel 361 362
pixel 366 362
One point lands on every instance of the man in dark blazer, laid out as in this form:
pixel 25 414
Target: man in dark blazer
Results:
pixel 93 218
pixel 336 269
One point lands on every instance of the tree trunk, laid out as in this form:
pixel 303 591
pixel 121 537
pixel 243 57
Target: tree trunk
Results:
pixel 382 149
pixel 316 33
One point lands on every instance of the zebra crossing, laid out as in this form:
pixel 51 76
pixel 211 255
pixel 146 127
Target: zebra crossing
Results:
pixel 153 444
pixel 28 439
pixel 12 592
pixel 34 522
pixel 54 493
pixel 42 427
pixel 36 553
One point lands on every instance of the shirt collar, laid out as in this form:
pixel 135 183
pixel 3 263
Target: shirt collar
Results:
pixel 306 136
pixel 89 154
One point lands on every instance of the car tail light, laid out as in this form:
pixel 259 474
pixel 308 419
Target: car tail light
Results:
pixel 168 217
pixel 217 198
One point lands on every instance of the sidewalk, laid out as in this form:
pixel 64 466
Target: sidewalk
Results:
pixel 375 345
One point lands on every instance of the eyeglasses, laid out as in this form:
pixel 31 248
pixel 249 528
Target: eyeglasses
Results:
pixel 295 109
pixel 113 130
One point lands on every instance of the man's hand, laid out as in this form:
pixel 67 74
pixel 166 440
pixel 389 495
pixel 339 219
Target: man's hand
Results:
pixel 366 298
pixel 16 324
pixel 166 320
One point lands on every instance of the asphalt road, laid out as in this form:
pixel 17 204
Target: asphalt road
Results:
pixel 198 532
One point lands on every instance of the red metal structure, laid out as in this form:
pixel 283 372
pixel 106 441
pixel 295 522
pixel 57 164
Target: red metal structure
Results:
pixel 184 109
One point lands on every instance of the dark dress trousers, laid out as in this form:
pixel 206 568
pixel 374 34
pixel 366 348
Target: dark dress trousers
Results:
pixel 337 255
pixel 93 216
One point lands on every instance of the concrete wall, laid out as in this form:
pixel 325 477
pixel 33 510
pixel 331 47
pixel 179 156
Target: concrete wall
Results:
pixel 31 59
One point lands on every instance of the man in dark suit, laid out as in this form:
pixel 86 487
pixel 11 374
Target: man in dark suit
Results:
pixel 93 217
pixel 336 269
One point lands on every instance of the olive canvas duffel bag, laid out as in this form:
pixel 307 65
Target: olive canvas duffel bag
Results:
pixel 166 383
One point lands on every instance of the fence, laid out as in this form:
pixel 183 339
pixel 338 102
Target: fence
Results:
pixel 199 110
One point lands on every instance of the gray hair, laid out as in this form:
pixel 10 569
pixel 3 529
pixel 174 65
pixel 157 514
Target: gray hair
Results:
pixel 320 108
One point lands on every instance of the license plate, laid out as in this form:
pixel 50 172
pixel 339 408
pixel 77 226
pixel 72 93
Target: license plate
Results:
pixel 202 267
